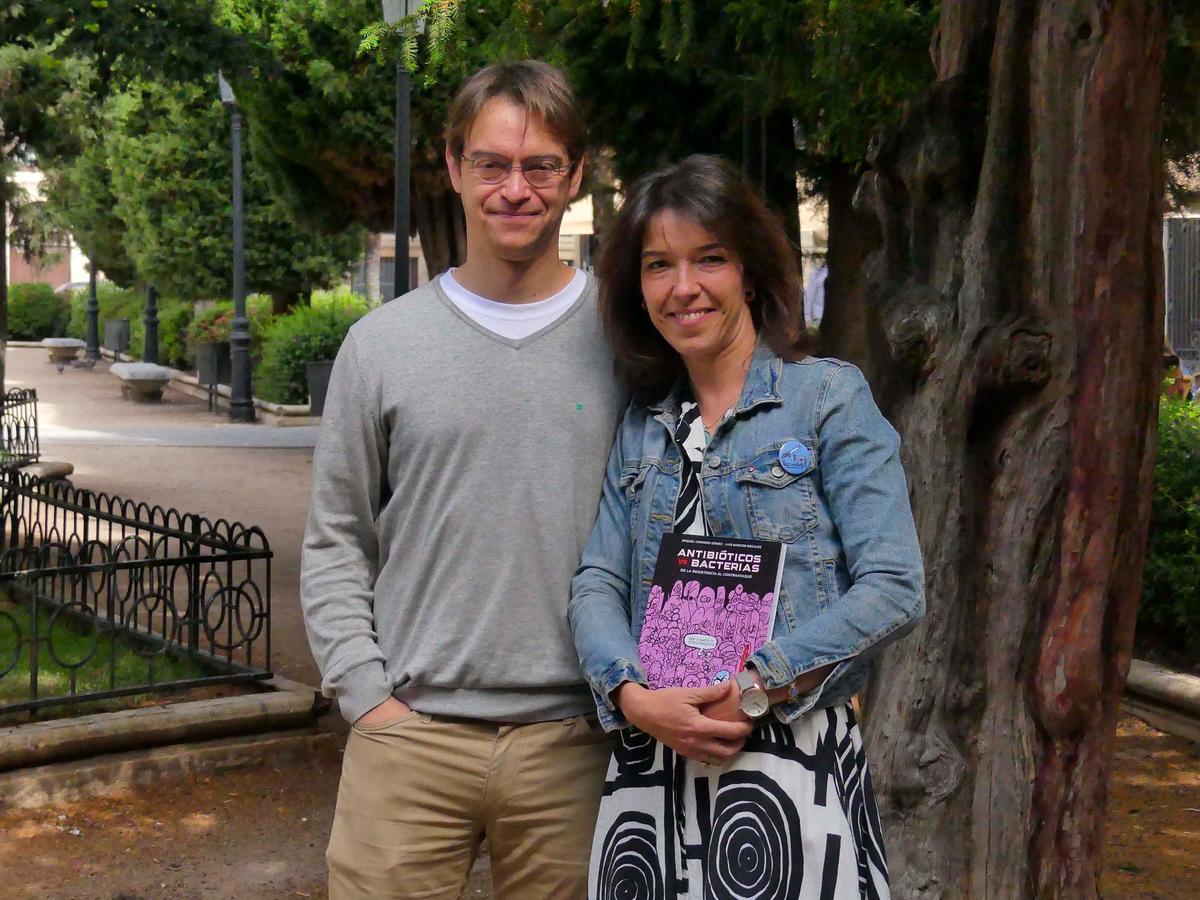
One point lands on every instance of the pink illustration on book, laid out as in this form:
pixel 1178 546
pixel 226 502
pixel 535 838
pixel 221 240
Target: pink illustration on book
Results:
pixel 696 636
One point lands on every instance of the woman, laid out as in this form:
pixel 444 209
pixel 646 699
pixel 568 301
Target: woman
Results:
pixel 756 787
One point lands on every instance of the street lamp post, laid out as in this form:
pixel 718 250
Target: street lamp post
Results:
pixel 241 402
pixel 393 12
pixel 93 315
pixel 150 318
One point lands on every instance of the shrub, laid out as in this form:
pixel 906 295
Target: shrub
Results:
pixel 306 334
pixel 212 324
pixel 174 317
pixel 338 297
pixel 115 303
pixel 1169 616
pixel 35 311
pixel 121 303
pixel 216 324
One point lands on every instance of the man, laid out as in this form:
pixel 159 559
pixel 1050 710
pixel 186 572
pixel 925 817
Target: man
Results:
pixel 455 483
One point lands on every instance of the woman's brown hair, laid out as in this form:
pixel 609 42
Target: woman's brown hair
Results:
pixel 711 193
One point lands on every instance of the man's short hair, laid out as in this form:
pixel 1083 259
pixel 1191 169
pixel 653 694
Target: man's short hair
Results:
pixel 531 84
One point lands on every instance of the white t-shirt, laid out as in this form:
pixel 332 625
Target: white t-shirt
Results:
pixel 513 320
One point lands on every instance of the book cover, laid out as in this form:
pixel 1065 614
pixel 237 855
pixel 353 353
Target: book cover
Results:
pixel 712 604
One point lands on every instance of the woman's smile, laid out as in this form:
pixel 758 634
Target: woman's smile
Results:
pixel 692 316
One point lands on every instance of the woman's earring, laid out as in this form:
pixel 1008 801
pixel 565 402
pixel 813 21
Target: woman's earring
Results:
pixel 749 294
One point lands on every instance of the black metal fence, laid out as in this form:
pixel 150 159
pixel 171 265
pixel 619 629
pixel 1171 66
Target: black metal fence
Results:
pixel 19 427
pixel 107 597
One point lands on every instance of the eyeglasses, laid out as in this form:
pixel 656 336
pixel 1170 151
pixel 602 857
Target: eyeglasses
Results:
pixel 539 172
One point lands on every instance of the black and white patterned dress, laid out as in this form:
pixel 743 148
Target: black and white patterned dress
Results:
pixel 791 817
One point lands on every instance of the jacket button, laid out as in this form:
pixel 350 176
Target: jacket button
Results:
pixel 777 470
pixel 714 461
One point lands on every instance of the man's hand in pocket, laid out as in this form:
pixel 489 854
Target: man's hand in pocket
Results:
pixel 390 710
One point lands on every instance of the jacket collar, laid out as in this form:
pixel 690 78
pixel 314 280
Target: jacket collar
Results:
pixel 761 386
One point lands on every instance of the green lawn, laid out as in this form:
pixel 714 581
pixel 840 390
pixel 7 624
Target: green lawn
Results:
pixel 73 644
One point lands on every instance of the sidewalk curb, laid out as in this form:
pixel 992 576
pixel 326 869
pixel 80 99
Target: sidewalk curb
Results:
pixel 57 740
pixel 115 774
pixel 108 753
pixel 1165 699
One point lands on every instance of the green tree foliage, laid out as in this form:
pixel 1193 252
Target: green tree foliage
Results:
pixel 662 78
pixel 1181 102
pixel 123 39
pixel 323 113
pixel 319 116
pixel 166 166
pixel 79 191
pixel 38 102
pixel 1169 615
pixel 70 57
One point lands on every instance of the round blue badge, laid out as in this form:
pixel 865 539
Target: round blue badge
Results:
pixel 795 458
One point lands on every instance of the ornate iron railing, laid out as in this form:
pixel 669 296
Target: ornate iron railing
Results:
pixel 95 581
pixel 19 427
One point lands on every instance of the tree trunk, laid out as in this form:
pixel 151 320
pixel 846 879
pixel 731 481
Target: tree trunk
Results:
pixel 1015 298
pixel 439 216
pixel 284 300
pixel 602 187
pixel 852 236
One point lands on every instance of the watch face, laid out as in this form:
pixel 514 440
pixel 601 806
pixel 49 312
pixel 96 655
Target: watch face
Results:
pixel 754 703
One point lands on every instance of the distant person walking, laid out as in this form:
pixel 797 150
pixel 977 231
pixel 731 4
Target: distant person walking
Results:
pixel 454 486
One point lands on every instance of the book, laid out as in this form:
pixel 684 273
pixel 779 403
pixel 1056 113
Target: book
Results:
pixel 712 604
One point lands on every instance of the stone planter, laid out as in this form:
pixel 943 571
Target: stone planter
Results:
pixel 141 382
pixel 63 350
pixel 318 385
pixel 213 363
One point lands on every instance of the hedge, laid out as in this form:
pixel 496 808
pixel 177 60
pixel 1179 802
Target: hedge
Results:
pixel 1169 616
pixel 303 335
pixel 35 311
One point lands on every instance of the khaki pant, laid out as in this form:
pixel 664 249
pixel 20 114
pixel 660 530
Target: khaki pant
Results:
pixel 418 795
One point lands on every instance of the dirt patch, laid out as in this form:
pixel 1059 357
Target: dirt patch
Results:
pixel 1153 847
pixel 259 834
pixel 248 833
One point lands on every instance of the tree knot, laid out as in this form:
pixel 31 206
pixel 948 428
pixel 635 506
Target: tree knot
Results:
pixel 913 329
pixel 1027 360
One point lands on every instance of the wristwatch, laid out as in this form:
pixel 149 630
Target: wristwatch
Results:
pixel 754 701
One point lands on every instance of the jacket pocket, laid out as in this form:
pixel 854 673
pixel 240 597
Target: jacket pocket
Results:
pixel 780 505
pixel 632 483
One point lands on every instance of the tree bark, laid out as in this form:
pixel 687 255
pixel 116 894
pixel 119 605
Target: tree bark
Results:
pixel 1011 317
pixel 852 237
pixel 284 300
pixel 439 217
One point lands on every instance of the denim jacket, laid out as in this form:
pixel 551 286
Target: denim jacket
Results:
pixel 852 578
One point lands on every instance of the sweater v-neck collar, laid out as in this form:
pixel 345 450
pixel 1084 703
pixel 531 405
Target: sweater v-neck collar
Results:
pixel 515 343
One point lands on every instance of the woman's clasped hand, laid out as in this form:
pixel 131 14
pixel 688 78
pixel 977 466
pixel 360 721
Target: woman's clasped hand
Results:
pixel 699 723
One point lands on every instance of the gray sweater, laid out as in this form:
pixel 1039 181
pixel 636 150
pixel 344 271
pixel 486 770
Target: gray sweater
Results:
pixel 455 483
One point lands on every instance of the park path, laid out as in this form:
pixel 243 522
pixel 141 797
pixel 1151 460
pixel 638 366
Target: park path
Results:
pixel 258 834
